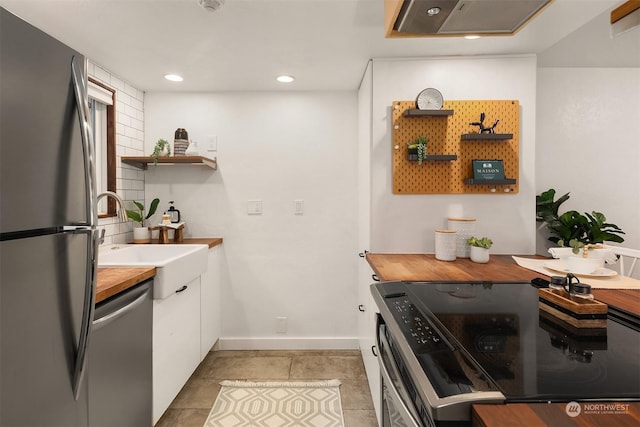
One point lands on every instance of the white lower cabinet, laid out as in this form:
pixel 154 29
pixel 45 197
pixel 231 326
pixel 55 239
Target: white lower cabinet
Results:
pixel 211 319
pixel 367 334
pixel 176 343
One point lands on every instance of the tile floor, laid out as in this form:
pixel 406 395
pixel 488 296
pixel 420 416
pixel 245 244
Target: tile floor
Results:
pixel 192 405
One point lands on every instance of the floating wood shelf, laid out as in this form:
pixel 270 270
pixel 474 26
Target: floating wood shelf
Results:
pixel 414 112
pixel 487 136
pixel 143 162
pixel 506 181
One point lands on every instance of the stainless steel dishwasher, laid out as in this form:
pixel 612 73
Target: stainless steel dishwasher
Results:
pixel 120 368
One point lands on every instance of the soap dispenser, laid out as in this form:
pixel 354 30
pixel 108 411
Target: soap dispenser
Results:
pixel 174 213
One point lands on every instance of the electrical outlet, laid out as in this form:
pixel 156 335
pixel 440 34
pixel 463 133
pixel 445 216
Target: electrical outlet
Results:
pixel 281 325
pixel 299 207
pixel 254 207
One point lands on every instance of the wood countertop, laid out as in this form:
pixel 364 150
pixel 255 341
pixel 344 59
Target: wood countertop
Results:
pixel 113 280
pixel 554 414
pixel 211 241
pixel 500 268
pixel 417 267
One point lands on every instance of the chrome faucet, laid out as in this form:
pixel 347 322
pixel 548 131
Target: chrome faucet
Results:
pixel 122 211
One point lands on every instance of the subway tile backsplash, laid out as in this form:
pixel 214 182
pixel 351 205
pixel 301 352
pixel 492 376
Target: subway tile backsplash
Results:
pixel 129 142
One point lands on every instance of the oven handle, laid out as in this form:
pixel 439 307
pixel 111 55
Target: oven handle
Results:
pixel 394 396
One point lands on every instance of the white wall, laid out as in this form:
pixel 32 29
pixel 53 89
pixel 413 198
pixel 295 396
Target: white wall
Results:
pixel 277 147
pixel 406 223
pixel 588 142
pixel 129 142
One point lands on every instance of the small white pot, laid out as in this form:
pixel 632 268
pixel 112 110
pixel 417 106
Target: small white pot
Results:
pixel 141 235
pixel 480 255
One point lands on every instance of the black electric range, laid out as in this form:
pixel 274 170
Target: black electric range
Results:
pixel 455 344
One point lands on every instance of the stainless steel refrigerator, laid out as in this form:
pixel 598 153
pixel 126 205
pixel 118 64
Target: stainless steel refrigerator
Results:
pixel 48 238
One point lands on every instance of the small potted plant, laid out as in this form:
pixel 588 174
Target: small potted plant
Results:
pixel 418 149
pixel 142 234
pixel 162 148
pixel 480 249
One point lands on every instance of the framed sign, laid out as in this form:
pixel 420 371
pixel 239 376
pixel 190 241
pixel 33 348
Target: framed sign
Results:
pixel 488 169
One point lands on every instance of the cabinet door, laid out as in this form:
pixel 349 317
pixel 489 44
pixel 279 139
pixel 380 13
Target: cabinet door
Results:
pixel 211 320
pixel 176 344
pixel 367 332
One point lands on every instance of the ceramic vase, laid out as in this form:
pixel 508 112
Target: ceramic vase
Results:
pixel 480 255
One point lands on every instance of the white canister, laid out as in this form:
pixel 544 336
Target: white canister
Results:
pixel 446 245
pixel 465 228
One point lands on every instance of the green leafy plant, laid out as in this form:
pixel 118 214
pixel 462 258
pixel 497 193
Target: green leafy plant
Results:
pixel 138 215
pixel 421 145
pixel 573 228
pixel 546 207
pixel 161 145
pixel 483 242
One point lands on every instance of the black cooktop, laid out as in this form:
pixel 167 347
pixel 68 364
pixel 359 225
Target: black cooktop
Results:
pixel 527 354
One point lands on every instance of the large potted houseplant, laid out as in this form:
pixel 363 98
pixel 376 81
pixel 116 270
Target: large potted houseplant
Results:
pixel 142 234
pixel 576 234
pixel 480 249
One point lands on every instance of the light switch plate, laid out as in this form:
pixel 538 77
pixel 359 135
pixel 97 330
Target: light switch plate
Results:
pixel 254 207
pixel 299 207
pixel 212 143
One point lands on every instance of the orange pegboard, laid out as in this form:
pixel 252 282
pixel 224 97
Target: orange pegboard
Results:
pixel 444 135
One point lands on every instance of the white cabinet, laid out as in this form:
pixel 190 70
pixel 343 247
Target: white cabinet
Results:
pixel 367 332
pixel 210 316
pixel 176 343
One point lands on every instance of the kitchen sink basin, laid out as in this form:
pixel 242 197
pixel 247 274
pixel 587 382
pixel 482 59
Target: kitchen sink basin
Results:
pixel 176 265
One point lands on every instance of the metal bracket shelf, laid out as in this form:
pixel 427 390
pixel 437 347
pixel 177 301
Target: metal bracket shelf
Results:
pixel 487 136
pixel 434 157
pixel 506 181
pixel 427 113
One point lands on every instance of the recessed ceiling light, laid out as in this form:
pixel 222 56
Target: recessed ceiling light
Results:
pixel 472 37
pixel 173 77
pixel 285 79
pixel 433 11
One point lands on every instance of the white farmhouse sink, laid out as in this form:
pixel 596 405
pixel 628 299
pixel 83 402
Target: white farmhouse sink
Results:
pixel 176 265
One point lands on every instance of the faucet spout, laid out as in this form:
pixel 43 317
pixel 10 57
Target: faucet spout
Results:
pixel 122 212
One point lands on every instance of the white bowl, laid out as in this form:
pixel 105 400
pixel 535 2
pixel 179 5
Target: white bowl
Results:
pixel 580 265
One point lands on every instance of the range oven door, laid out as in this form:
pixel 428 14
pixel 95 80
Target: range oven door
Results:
pixel 398 409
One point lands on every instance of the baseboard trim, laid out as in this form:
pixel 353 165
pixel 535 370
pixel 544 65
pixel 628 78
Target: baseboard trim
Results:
pixel 288 343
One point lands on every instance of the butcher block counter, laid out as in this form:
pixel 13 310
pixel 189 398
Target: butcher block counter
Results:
pixel 500 268
pixel 113 280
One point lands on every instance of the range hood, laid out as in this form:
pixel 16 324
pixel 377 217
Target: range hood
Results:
pixel 465 16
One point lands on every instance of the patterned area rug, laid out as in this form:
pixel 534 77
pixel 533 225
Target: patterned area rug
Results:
pixel 277 404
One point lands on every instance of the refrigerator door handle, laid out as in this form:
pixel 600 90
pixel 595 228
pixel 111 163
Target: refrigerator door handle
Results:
pixel 87 312
pixel 82 105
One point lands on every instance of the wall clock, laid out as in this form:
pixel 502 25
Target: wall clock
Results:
pixel 429 99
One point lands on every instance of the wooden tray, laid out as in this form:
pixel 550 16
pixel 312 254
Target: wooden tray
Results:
pixel 578 313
